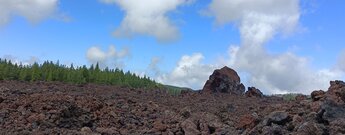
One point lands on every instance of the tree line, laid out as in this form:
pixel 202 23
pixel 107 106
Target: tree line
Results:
pixel 49 71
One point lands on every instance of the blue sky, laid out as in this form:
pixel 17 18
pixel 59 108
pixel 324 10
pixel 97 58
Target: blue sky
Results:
pixel 81 32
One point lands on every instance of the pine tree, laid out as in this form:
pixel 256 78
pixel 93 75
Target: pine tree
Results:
pixel 49 71
pixel 35 76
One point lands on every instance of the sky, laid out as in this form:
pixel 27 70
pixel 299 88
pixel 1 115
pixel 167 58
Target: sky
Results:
pixel 278 46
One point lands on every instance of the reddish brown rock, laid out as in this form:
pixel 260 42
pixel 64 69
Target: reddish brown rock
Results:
pixel 254 92
pixel 103 109
pixel 336 91
pixel 337 126
pixel 159 126
pixel 36 118
pixel 189 128
pixel 224 80
pixel 318 95
pixel 247 121
pixel 315 106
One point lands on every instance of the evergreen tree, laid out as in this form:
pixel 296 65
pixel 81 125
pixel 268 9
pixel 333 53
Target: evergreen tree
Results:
pixel 49 71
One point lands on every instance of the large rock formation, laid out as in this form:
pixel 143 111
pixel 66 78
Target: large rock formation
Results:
pixel 224 80
pixel 336 91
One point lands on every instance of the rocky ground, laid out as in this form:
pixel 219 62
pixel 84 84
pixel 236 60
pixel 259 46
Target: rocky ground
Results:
pixel 222 107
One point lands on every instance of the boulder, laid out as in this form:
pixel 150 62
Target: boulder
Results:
pixel 318 95
pixel 224 80
pixel 278 117
pixel 247 121
pixel 86 130
pixel 336 91
pixel 330 111
pixel 189 128
pixel 159 126
pixel 254 92
pixel 310 128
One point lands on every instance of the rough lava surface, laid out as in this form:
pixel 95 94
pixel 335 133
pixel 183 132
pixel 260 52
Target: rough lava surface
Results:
pixel 59 108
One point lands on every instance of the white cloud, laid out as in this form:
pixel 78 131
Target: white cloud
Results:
pixel 16 60
pixel 33 10
pixel 148 17
pixel 189 72
pixel 110 58
pixel 258 22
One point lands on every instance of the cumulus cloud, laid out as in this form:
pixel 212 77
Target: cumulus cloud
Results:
pixel 189 72
pixel 33 10
pixel 109 58
pixel 148 17
pixel 258 22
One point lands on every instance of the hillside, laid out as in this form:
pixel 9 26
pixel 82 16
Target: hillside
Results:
pixel 222 107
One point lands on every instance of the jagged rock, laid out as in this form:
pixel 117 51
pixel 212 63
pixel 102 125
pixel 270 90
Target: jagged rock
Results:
pixel 224 80
pixel 186 112
pixel 309 128
pixel 337 126
pixel 247 121
pixel 273 130
pixel 330 111
pixel 318 95
pixel 210 123
pixel 189 128
pixel 278 117
pixel 254 92
pixel 1 99
pixel 159 126
pixel 86 130
pixel 337 91
pixel 36 118
pixel 315 106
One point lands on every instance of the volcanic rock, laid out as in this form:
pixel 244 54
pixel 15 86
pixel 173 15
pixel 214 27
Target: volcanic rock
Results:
pixel 159 126
pixel 309 128
pixel 224 80
pixel 248 121
pixel 337 91
pixel 86 130
pixel 330 111
pixel 337 126
pixel 316 106
pixel 254 92
pixel 318 95
pixel 189 127
pixel 278 117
